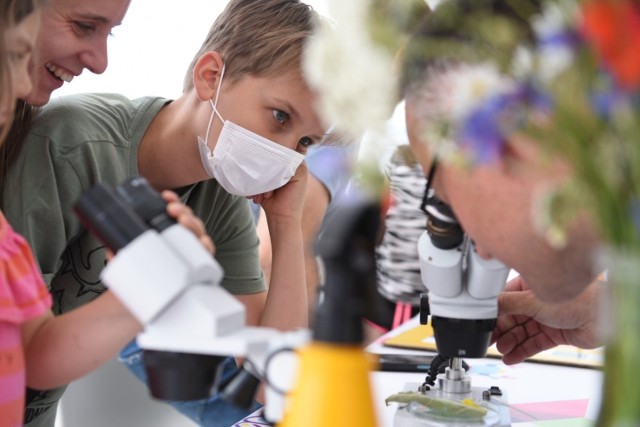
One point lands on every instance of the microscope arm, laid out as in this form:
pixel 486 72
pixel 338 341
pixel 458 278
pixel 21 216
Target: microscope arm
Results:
pixel 171 284
pixel 463 294
pixel 183 313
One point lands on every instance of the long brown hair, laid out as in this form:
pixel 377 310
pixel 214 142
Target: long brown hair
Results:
pixel 12 12
pixel 16 135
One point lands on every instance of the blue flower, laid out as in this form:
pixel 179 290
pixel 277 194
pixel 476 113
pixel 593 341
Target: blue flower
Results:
pixel 483 132
pixel 565 38
pixel 608 97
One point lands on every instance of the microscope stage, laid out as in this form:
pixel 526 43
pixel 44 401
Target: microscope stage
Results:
pixel 416 415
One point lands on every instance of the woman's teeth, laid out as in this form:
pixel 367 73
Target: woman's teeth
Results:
pixel 59 73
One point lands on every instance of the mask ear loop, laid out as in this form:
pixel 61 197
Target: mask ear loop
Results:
pixel 215 110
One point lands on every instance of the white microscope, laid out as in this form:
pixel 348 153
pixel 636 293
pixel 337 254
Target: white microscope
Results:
pixel 462 301
pixel 170 283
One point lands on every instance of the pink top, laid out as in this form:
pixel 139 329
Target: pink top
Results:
pixel 23 296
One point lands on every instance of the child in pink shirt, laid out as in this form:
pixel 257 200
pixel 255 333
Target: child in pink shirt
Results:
pixel 23 296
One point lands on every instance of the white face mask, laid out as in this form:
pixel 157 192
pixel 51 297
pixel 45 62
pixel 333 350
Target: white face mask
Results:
pixel 245 163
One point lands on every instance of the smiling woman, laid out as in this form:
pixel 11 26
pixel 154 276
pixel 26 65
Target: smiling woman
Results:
pixel 73 38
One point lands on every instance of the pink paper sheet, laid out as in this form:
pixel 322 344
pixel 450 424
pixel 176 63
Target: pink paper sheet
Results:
pixel 555 410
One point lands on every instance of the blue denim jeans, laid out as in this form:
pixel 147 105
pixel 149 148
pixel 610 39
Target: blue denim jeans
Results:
pixel 211 412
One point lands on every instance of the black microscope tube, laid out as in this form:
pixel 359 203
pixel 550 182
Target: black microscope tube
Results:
pixel 146 202
pixel 106 214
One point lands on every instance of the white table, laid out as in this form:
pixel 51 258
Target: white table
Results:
pixel 525 383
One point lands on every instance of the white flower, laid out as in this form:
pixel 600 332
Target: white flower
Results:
pixel 554 57
pixel 522 64
pixel 353 77
pixel 472 85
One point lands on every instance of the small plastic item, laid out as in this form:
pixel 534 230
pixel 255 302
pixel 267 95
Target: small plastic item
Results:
pixel 495 390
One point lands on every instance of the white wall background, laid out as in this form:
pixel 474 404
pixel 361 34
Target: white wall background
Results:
pixel 150 52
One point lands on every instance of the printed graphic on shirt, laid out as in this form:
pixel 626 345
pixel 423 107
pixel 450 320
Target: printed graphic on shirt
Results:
pixel 78 280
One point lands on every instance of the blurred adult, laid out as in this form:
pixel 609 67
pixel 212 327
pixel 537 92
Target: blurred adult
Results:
pixel 553 302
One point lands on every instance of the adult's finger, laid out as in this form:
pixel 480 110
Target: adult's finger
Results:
pixel 522 303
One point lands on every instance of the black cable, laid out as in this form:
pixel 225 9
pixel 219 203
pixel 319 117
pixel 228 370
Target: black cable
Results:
pixel 438 366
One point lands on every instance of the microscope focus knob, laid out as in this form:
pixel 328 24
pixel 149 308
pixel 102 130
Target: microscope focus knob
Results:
pixel 424 309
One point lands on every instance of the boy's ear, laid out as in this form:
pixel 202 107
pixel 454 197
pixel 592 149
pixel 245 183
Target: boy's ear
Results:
pixel 206 75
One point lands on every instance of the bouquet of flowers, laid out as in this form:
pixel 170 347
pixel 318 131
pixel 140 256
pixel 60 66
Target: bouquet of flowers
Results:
pixel 577 92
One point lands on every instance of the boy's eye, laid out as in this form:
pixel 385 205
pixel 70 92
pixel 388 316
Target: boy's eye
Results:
pixel 280 116
pixel 306 142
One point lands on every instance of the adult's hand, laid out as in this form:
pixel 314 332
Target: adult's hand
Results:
pixel 526 326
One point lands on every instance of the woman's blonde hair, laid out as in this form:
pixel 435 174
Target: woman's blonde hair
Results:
pixel 258 37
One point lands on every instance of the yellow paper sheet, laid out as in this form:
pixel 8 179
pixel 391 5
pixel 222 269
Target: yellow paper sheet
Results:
pixel 421 338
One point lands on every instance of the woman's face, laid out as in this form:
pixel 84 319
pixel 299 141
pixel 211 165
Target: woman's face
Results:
pixel 20 41
pixel 73 37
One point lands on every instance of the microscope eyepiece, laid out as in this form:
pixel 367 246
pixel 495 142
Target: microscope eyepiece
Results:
pixel 442 224
pixel 147 203
pixel 109 217
pixel 463 288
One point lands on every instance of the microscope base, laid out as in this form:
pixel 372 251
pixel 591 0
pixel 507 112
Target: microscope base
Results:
pixel 497 416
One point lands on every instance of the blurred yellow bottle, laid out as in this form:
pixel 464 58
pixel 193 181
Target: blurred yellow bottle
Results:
pixel 332 388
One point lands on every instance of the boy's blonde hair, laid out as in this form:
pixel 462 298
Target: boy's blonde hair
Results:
pixel 258 37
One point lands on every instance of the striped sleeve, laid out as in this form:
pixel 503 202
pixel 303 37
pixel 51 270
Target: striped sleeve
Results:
pixel 23 293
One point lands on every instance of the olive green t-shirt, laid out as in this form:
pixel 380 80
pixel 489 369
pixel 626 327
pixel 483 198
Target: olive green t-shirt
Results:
pixel 80 140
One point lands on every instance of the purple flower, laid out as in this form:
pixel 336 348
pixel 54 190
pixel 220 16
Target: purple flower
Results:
pixel 568 38
pixel 484 130
pixel 481 133
pixel 608 97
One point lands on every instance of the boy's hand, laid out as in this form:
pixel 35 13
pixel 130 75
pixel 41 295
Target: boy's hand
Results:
pixel 286 201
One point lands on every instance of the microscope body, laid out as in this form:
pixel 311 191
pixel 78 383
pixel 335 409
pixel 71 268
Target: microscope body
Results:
pixel 462 295
pixel 167 280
